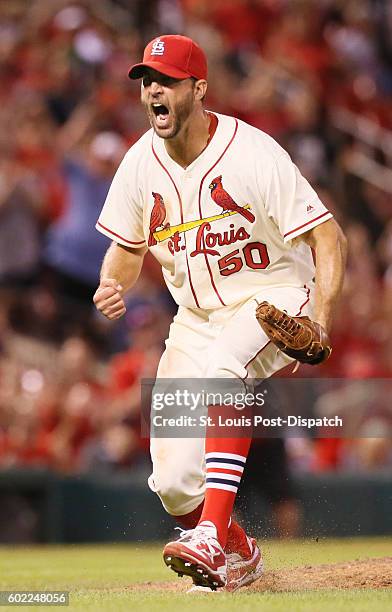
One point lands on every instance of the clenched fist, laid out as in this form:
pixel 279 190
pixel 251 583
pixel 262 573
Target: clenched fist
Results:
pixel 108 299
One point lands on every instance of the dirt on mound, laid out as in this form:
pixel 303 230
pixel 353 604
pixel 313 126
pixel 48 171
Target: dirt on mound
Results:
pixel 363 574
pixel 359 574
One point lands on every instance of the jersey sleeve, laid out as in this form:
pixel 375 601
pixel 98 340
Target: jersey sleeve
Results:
pixel 121 218
pixel 290 201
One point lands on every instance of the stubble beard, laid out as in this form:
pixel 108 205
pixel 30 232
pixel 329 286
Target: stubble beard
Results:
pixel 179 117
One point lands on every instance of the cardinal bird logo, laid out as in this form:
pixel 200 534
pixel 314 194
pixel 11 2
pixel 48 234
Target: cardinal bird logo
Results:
pixel 157 219
pixel 223 199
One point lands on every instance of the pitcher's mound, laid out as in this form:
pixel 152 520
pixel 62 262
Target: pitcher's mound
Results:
pixel 364 574
pixel 360 574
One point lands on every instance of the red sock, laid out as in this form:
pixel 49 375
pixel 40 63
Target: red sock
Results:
pixel 225 462
pixel 236 536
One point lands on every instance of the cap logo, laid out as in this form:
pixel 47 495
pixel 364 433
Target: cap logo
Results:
pixel 158 47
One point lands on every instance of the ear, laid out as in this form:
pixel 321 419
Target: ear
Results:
pixel 200 89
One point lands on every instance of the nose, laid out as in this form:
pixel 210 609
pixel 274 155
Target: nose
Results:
pixel 155 88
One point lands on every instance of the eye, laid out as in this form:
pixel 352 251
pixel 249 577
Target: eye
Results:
pixel 168 81
pixel 146 80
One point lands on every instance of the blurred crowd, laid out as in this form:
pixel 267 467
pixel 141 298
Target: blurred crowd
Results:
pixel 317 76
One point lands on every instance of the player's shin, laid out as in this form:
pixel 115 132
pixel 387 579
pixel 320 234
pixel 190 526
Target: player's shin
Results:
pixel 225 462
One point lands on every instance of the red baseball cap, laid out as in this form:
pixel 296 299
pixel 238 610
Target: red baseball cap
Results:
pixel 176 56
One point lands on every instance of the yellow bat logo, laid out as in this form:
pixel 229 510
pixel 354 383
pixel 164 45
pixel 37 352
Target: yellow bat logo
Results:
pixel 168 232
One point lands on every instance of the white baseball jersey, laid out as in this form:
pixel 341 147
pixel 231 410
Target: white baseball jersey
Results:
pixel 223 227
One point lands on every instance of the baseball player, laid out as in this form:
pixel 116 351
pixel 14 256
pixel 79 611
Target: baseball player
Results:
pixel 233 223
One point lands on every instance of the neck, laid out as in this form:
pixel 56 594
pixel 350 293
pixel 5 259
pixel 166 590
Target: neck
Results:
pixel 191 140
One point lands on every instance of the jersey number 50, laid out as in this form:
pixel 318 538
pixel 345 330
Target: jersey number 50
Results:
pixel 254 253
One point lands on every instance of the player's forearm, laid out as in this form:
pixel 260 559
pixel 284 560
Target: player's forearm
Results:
pixel 123 265
pixel 329 243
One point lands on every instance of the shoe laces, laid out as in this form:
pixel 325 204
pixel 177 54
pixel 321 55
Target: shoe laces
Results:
pixel 185 534
pixel 201 536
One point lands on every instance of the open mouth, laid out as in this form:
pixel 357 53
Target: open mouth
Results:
pixel 160 110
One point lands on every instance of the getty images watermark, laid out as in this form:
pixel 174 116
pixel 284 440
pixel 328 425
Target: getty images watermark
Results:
pixel 186 408
pixel 187 398
pixel 254 421
pixel 193 401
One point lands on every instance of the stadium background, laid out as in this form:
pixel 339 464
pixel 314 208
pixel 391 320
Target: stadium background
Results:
pixel 317 76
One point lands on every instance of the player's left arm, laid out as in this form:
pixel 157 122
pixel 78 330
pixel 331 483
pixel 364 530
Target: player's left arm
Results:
pixel 330 246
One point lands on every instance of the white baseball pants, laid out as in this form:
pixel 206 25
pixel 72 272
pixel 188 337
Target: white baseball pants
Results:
pixel 224 343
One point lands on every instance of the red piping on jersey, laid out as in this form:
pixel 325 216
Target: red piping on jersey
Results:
pixel 269 341
pixel 118 235
pixel 305 224
pixel 201 215
pixel 307 300
pixel 182 220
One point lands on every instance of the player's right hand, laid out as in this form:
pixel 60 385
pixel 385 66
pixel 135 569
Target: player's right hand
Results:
pixel 108 299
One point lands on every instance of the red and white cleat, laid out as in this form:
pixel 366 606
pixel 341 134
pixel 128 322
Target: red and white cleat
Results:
pixel 197 553
pixel 244 567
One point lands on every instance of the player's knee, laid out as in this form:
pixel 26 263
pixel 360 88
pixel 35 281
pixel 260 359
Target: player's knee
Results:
pixel 177 492
pixel 168 488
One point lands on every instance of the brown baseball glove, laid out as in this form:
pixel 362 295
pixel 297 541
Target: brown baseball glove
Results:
pixel 298 337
